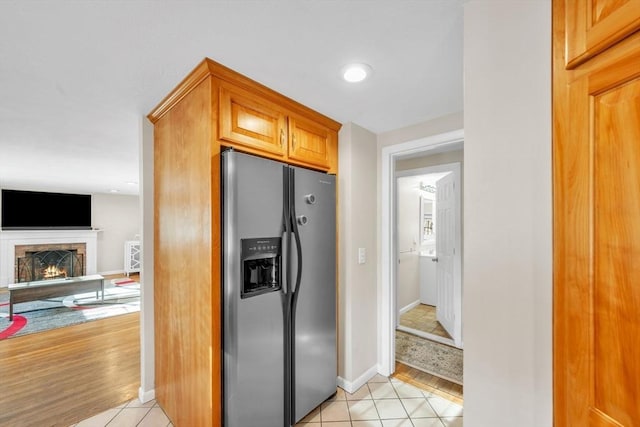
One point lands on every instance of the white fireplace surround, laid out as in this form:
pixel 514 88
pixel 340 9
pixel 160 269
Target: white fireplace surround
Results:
pixel 10 239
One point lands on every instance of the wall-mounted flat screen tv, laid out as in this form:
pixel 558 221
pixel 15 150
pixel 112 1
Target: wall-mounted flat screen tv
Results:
pixel 34 210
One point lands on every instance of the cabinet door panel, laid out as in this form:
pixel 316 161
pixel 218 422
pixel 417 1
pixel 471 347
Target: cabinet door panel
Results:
pixel 597 240
pixel 595 25
pixel 309 142
pixel 616 323
pixel 252 122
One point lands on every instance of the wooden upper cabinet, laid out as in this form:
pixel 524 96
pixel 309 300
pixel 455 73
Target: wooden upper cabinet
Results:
pixel 595 25
pixel 310 142
pixel 252 122
pixel 250 117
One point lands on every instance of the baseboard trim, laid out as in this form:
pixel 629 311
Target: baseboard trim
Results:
pixel 109 273
pixel 353 386
pixel 146 396
pixel 406 308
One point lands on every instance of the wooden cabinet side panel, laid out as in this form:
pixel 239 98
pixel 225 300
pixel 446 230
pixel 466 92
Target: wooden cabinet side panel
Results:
pixel 333 153
pixel 183 261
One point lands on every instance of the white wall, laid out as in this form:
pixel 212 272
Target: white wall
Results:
pixel 118 217
pixel 430 127
pixel 357 229
pixel 408 216
pixel 507 290
pixel 455 156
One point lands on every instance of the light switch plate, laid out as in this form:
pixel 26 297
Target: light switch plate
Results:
pixel 362 255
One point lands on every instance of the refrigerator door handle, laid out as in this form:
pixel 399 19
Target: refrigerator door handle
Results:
pixel 299 272
pixel 294 230
pixel 286 231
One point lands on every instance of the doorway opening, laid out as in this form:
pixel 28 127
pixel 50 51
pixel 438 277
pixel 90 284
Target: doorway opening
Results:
pixel 387 303
pixel 428 240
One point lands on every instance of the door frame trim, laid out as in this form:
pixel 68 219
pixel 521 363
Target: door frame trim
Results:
pixel 386 292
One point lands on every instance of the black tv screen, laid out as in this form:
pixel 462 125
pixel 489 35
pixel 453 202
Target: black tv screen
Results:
pixel 32 210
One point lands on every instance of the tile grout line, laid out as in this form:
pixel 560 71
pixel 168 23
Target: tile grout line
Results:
pixel 397 397
pixel 402 403
pixel 145 415
pixel 114 417
pixel 374 403
pixel 428 403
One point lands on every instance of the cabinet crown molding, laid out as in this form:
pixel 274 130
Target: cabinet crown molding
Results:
pixel 210 68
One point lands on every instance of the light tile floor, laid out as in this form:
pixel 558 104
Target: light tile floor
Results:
pixel 382 402
pixel 131 414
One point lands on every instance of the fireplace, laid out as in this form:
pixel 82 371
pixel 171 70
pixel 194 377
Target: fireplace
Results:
pixel 15 244
pixel 52 262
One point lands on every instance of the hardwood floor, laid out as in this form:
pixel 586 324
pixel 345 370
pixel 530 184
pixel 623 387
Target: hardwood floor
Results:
pixel 435 385
pixel 423 318
pixel 62 376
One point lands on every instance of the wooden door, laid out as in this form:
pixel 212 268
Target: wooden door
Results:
pixel 596 184
pixel 309 142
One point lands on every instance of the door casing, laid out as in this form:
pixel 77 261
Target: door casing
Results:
pixel 386 293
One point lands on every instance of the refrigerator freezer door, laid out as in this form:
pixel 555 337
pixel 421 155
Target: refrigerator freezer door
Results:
pixel 254 331
pixel 315 357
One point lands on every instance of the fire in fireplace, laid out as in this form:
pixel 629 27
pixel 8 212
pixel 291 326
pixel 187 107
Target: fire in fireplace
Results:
pixel 49 264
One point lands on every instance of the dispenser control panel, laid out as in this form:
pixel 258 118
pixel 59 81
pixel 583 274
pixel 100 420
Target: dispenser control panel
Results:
pixel 261 266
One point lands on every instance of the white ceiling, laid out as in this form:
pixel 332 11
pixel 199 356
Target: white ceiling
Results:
pixel 77 77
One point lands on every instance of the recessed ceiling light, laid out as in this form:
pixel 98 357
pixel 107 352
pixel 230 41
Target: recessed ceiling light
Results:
pixel 354 73
pixel 114 191
pixel 131 183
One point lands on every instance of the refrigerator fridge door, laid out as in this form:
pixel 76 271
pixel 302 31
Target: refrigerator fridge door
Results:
pixel 314 326
pixel 254 326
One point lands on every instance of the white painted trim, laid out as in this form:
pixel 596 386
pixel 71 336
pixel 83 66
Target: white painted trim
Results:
pixel 353 386
pixel 387 298
pixel 146 396
pixel 409 306
pixel 147 326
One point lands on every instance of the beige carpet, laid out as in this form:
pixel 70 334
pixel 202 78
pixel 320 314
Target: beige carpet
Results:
pixel 429 356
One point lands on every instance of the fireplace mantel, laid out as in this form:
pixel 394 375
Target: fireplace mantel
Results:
pixel 10 238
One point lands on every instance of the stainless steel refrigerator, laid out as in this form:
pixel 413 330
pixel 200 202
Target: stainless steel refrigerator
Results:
pixel 279 286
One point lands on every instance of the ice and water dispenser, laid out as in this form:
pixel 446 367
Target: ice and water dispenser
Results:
pixel 261 266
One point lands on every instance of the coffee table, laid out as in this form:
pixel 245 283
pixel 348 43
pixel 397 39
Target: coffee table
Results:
pixel 43 289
